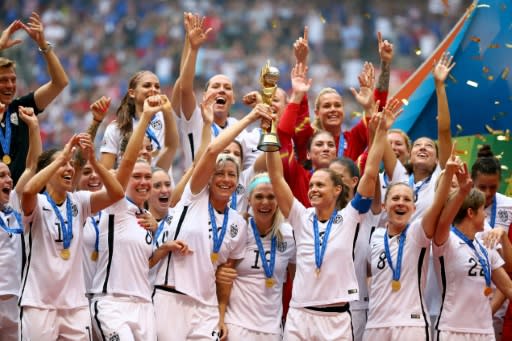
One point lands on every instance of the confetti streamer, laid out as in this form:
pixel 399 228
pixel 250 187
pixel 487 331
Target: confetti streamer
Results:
pixel 417 52
pixel 405 101
pixel 483 6
pixel 508 46
pixel 475 39
pixel 505 73
pixel 485 69
pixel 494 46
pixel 472 83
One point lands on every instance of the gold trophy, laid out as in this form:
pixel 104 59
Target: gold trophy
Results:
pixel 269 142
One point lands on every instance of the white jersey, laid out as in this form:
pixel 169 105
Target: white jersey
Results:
pixel 502 213
pixel 91 234
pixel 190 137
pixel 369 223
pixel 11 249
pixel 337 266
pixel 112 138
pixel 405 307
pixel 124 251
pixel 463 283
pixel 399 175
pixel 49 281
pixel 194 274
pixel 241 194
pixel 250 147
pixel 251 304
pixel 162 234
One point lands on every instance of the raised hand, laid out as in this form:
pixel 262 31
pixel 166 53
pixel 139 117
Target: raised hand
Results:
pixel 5 38
pixel 300 83
pixel 385 49
pixel 196 32
pixel 391 111
pixel 152 105
pixel 99 108
pixel 35 30
pixel 263 112
pixel 493 237
pixel 147 221
pixel 366 86
pixel 27 115
pixel 442 69
pixel 301 48
pixel 207 108
pixel 252 98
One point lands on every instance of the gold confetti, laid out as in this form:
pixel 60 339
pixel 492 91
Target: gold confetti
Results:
pixel 461 152
pixel 405 101
pixel 356 114
pixel 494 46
pixel 472 83
pixel 508 46
pixel 505 168
pixel 502 138
pixel 475 39
pixel 322 19
pixel 492 131
pixel 505 73
pixel 490 77
pixel 483 6
pixel 274 24
pixel 485 69
pixel 481 137
pixel 459 127
pixel 417 52
pixel 499 156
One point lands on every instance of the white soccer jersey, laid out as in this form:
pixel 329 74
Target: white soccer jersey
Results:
pixel 124 251
pixel 88 244
pixel 241 190
pixel 503 215
pixel 194 274
pixel 49 281
pixel 369 223
pixel 112 138
pixel 462 281
pixel 250 147
pixel 337 281
pixel 159 238
pixel 11 250
pixel 399 175
pixel 190 137
pixel 251 304
pixel 405 307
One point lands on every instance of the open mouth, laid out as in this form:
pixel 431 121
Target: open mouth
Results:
pixel 220 100
pixel 163 200
pixel 6 190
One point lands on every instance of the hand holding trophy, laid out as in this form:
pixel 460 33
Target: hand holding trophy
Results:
pixel 269 76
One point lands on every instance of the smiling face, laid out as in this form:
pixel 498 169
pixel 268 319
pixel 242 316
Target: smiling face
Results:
pixel 139 185
pixel 263 202
pixel 235 150
pixel 224 181
pixel 142 86
pixel 424 154
pixel 89 179
pixel 62 180
pixel 348 179
pixel 330 110
pixel 7 84
pixel 488 184
pixel 222 89
pixel 399 146
pixel 323 192
pixel 399 205
pixel 160 196
pixel 322 150
pixel 5 184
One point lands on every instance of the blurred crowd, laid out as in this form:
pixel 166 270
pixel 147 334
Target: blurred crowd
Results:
pixel 101 43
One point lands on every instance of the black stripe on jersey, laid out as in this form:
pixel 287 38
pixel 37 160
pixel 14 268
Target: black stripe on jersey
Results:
pixel 178 228
pixel 443 283
pixel 24 272
pixel 354 243
pixel 21 323
pixel 98 321
pixel 191 141
pixel 420 266
pixel 110 249
pixel 23 254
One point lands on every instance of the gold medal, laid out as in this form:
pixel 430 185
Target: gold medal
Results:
pixel 487 291
pixel 214 257
pixel 395 285
pixel 64 254
pixel 94 256
pixel 269 282
pixel 6 159
pixel 317 272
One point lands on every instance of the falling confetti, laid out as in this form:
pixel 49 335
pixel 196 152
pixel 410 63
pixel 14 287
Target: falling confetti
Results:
pixel 481 137
pixel 505 73
pixel 503 138
pixel 508 46
pixel 453 79
pixel 461 152
pixel 505 168
pixel 405 101
pixel 356 114
pixel 417 52
pixel 322 19
pixel 483 6
pixel 485 69
pixel 475 39
pixel 494 46
pixel 492 131
pixel 496 102
pixel 274 24
pixel 472 83
pixel 490 77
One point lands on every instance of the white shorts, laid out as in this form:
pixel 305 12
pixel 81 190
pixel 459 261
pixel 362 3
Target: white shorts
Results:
pixel 307 324
pixel 455 336
pixel 236 332
pixel 9 319
pixel 52 324
pixel 359 318
pixel 396 333
pixel 180 317
pixel 123 318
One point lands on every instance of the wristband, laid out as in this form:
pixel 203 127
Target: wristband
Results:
pixel 48 48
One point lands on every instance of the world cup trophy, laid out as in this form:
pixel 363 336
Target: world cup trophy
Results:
pixel 269 76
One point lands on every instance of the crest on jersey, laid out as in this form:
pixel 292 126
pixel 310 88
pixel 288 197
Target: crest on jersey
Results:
pixel 233 230
pixel 14 119
pixel 502 216
pixel 240 189
pixel 168 219
pixel 114 337
pixel 74 208
pixel 281 246
pixel 338 219
pixel 156 124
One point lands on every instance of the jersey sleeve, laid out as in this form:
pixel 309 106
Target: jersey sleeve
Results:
pixel 417 233
pixel 84 200
pixel 190 135
pixel 296 212
pixel 495 259
pixel 111 139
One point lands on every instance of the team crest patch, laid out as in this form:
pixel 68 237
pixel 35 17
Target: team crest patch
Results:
pixel 156 124
pixel 14 119
pixel 338 219
pixel 502 216
pixel 168 220
pixel 74 208
pixel 281 246
pixel 114 337
pixel 240 189
pixel 233 230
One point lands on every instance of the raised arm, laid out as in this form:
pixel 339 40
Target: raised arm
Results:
pixel 5 39
pixel 45 94
pixel 197 35
pixel 206 165
pixel 99 110
pixel 171 138
pixel 440 72
pixel 35 147
pixel 152 105
pixel 284 195
pixel 176 92
pixel 366 88
pixel 386 57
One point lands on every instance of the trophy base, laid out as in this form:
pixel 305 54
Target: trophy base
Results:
pixel 269 142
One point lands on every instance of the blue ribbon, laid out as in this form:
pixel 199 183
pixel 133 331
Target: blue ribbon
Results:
pixel 159 230
pixel 267 267
pixel 493 212
pixel 6 228
pixel 96 230
pixel 152 137
pixel 215 129
pixel 341 145
pixel 319 254
pixel 417 188
pixel 133 202
pixel 217 240
pixel 5 140
pixel 401 243
pixel 233 200
pixel 67 229
pixel 484 262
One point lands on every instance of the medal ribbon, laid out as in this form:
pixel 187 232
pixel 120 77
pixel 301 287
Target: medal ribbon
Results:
pixel 320 253
pixel 341 145
pixel 160 228
pixel 493 212
pixel 96 230
pixel 483 258
pixel 67 229
pixel 6 228
pixel 5 140
pixel 267 267
pixel 415 187
pixel 401 243
pixel 217 239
